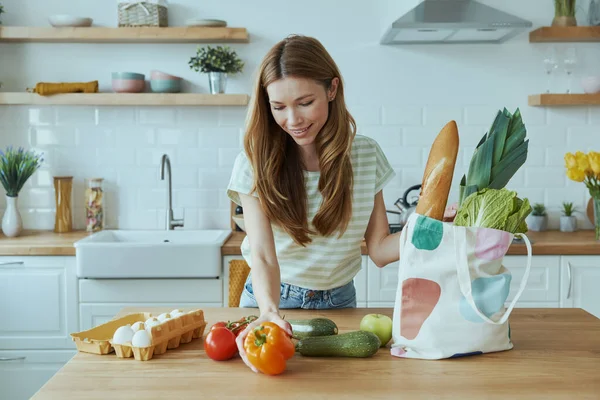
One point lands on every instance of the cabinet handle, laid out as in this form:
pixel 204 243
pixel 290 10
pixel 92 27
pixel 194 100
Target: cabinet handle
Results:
pixel 12 358
pixel 12 263
pixel 570 279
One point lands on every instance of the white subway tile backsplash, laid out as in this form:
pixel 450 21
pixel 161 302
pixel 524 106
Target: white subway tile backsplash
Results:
pixel 403 156
pixel 402 115
pixel 134 177
pixel 210 137
pixel 185 177
pixel 536 157
pixel 583 139
pixel 138 219
pixel 567 116
pixel 37 198
pixel 156 116
pixel 112 116
pixel 52 136
pixel 38 217
pixel 386 136
pixel 418 136
pixel 481 115
pixel 227 157
pixel 555 197
pixel 213 219
pixel 197 116
pixel 533 116
pixel 436 117
pixel 152 198
pixel 214 178
pixel 548 177
pixel 135 136
pixel 11 116
pixel 152 157
pixel 366 114
pixel 555 156
pixel 115 157
pixel 232 116
pixel 42 116
pixel 95 137
pixel 471 135
pixel 187 138
pixel 197 157
pixel 80 115
pixel 194 198
pixel 546 135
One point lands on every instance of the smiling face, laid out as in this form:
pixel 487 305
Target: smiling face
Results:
pixel 300 107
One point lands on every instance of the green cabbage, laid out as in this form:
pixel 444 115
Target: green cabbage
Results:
pixel 494 208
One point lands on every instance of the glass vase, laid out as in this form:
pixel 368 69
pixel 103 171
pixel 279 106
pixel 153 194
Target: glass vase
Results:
pixel 63 219
pixel 596 201
pixel 94 204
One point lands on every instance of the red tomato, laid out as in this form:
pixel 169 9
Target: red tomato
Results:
pixel 220 344
pixel 219 324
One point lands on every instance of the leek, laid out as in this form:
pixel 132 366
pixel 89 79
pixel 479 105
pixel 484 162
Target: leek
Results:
pixel 498 155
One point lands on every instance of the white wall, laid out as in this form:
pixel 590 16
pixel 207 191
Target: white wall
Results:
pixel 400 96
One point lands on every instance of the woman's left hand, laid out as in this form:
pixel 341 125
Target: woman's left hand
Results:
pixel 450 213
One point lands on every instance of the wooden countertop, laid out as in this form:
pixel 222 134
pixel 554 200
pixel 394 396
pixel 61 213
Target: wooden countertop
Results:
pixel 543 243
pixel 556 356
pixel 40 243
pixel 48 243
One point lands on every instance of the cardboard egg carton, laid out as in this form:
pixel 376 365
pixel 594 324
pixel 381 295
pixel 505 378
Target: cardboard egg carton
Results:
pixel 167 335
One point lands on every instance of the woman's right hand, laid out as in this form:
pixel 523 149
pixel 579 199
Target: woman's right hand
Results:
pixel 266 317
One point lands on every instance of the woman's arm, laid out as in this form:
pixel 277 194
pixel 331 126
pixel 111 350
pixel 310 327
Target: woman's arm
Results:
pixel 383 247
pixel 266 279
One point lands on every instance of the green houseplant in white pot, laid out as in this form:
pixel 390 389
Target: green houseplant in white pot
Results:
pixel 218 63
pixel 538 220
pixel 568 222
pixel 16 167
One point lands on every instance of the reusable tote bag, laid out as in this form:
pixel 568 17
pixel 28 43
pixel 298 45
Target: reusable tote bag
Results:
pixel 452 289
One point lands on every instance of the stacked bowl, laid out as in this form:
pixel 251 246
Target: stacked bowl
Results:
pixel 128 82
pixel 161 82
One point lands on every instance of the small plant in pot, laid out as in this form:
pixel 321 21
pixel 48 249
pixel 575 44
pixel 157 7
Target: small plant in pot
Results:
pixel 16 167
pixel 1 12
pixel 568 222
pixel 538 220
pixel 218 62
pixel 564 13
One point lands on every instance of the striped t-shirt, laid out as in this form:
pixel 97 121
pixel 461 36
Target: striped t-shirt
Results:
pixel 326 262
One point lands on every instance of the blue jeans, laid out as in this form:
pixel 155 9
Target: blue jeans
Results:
pixel 296 297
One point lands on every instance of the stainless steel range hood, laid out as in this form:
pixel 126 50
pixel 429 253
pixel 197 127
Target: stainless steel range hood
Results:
pixel 454 21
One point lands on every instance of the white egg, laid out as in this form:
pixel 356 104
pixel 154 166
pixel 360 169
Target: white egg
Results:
pixel 163 317
pixel 150 322
pixel 123 335
pixel 141 339
pixel 176 313
pixel 138 326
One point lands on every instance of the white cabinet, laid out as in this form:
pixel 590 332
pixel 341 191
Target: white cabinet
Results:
pixel 382 284
pixel 580 283
pixel 24 372
pixel 542 289
pixel 38 302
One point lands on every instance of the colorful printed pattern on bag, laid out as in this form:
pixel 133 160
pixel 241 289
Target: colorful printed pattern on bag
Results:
pixel 489 295
pixel 419 298
pixel 428 233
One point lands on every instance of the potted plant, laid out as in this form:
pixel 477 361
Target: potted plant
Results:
pixel 1 12
pixel 16 167
pixel 564 13
pixel 538 220
pixel 568 222
pixel 218 62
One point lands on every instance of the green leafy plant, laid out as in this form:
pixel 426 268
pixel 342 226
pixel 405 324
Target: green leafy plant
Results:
pixel 1 11
pixel 16 167
pixel 219 59
pixel 539 210
pixel 498 155
pixel 564 8
pixel 568 209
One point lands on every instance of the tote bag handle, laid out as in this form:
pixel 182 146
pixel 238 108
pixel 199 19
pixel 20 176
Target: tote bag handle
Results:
pixel 464 277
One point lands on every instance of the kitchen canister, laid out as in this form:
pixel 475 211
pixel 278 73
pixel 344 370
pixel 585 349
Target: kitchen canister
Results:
pixel 94 204
pixel 63 220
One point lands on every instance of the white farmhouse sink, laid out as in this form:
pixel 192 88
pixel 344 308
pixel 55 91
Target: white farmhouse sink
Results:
pixel 151 254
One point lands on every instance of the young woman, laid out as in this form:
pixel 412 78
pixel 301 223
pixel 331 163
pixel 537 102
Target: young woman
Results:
pixel 310 187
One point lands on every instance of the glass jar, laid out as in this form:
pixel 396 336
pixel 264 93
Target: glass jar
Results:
pixel 94 204
pixel 63 221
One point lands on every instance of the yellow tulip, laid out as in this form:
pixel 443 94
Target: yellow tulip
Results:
pixel 570 160
pixel 576 174
pixel 583 163
pixel 594 159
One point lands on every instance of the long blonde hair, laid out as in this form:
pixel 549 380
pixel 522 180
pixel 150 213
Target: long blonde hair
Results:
pixel 275 157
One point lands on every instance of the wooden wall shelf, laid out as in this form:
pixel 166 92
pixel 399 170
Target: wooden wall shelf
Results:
pixel 564 99
pixel 565 34
pixel 126 99
pixel 178 34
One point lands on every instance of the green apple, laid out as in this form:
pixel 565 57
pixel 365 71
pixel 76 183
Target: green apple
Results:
pixel 379 324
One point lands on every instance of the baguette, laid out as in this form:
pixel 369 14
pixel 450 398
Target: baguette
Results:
pixel 439 171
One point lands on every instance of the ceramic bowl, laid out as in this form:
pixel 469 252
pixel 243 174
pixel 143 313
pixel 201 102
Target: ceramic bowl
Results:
pixel 159 75
pixel 69 20
pixel 591 84
pixel 128 85
pixel 165 85
pixel 128 75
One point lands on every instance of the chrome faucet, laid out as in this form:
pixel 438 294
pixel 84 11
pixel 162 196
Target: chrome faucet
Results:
pixel 171 222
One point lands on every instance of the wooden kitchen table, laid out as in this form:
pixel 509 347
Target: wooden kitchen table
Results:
pixel 556 356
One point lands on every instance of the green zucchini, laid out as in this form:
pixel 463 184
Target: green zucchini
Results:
pixel 304 328
pixel 350 344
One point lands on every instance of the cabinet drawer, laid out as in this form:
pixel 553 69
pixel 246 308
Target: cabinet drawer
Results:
pixel 543 283
pixel 150 290
pixel 21 378
pixel 40 302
